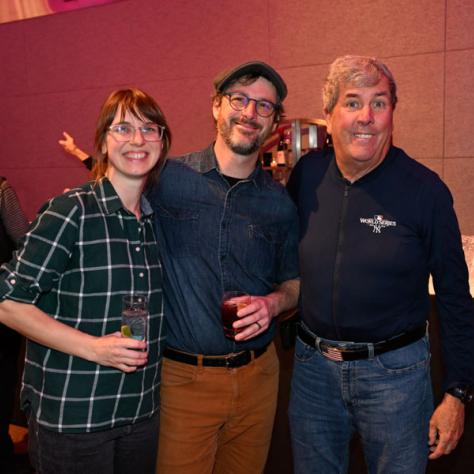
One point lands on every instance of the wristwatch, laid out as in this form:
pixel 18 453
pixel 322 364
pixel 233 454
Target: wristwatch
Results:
pixel 465 394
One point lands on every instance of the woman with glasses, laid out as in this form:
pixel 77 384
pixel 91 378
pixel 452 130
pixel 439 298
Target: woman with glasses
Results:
pixel 91 394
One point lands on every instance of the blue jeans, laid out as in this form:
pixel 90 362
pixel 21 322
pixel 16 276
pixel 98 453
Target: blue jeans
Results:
pixel 128 449
pixel 387 400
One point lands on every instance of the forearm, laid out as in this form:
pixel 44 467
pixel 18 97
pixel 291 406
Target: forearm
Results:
pixel 82 155
pixel 36 325
pixel 284 298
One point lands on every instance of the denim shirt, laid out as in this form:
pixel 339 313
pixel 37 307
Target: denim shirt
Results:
pixel 215 237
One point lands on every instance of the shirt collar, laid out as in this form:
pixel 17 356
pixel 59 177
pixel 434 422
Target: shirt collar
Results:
pixel 373 173
pixel 111 202
pixel 208 162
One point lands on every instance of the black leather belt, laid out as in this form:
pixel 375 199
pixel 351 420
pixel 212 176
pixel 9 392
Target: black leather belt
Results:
pixel 347 353
pixel 230 361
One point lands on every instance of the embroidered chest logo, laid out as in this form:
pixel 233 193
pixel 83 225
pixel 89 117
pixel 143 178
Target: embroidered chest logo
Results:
pixel 377 223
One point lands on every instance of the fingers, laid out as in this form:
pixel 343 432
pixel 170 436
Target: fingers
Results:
pixel 255 318
pixel 445 444
pixel 126 368
pixel 446 426
pixel 440 449
pixel 250 330
pixel 432 435
pixel 123 353
pixel 133 358
pixel 128 364
pixel 67 142
pixel 67 139
pixel 442 443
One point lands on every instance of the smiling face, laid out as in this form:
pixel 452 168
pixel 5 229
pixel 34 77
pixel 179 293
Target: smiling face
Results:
pixel 133 159
pixel 244 131
pixel 361 126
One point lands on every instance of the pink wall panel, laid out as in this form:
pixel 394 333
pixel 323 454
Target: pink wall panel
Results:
pixel 39 122
pixel 460 24
pixel 419 116
pixel 307 32
pixel 459 103
pixel 35 185
pixel 198 38
pixel 56 70
pixel 87 48
pixel 187 105
pixel 166 40
pixel 12 59
pixel 304 84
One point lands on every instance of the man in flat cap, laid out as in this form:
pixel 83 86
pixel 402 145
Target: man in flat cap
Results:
pixel 224 224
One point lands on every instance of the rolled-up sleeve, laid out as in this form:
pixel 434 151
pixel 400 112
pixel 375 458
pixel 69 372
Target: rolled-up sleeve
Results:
pixel 44 256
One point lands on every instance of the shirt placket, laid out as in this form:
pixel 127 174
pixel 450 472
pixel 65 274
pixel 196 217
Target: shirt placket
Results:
pixel 136 234
pixel 224 241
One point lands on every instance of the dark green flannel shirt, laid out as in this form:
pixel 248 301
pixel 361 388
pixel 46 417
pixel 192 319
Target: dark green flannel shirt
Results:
pixel 84 252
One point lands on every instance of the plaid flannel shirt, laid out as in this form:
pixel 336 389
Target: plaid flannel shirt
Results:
pixel 84 252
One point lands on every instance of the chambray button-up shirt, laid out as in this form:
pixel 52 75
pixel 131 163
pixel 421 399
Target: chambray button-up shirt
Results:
pixel 215 237
pixel 83 253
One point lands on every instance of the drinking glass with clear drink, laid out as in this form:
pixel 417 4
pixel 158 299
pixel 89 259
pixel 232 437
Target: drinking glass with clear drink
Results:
pixel 135 316
pixel 232 301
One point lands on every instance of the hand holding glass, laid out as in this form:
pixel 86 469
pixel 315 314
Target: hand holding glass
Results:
pixel 232 301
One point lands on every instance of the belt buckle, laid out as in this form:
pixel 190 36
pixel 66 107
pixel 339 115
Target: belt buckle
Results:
pixel 331 352
pixel 229 359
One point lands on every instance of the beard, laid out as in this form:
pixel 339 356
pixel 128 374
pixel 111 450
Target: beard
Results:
pixel 242 147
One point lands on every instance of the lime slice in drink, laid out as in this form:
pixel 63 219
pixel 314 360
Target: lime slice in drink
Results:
pixel 125 330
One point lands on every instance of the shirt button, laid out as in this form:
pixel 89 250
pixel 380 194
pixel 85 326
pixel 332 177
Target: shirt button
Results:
pixel 141 274
pixel 137 249
pixel 13 281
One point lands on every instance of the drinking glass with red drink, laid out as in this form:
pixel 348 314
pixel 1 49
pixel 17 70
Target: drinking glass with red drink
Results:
pixel 232 302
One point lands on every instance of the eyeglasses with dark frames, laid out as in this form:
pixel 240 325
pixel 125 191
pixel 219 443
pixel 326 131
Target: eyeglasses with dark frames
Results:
pixel 239 101
pixel 124 132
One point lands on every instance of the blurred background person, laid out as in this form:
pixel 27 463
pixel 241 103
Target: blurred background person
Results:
pixel 13 225
pixel 67 142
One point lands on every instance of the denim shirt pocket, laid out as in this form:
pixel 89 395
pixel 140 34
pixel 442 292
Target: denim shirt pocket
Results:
pixel 180 230
pixel 262 249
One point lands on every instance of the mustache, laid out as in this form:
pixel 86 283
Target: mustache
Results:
pixel 247 121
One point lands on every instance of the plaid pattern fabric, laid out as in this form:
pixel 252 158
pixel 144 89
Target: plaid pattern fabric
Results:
pixel 83 253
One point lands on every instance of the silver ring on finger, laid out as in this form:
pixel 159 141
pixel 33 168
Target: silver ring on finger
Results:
pixel 258 324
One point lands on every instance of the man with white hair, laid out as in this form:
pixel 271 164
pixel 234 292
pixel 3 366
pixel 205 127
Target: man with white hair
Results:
pixel 374 225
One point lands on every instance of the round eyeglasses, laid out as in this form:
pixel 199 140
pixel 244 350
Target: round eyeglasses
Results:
pixel 124 132
pixel 239 101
